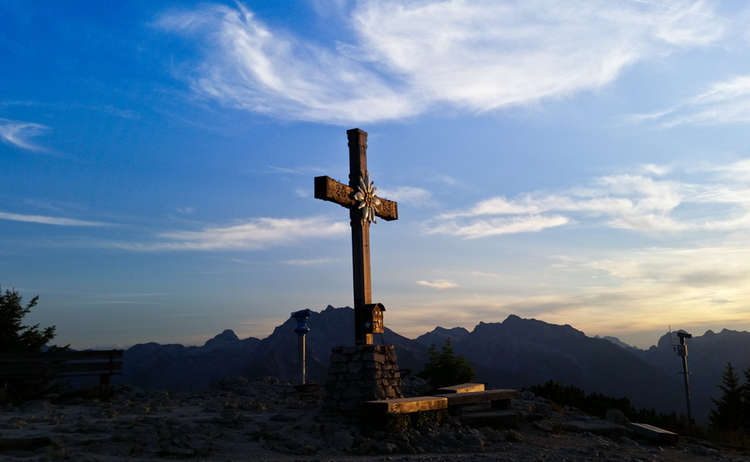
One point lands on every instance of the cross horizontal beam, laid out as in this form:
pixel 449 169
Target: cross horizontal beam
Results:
pixel 328 189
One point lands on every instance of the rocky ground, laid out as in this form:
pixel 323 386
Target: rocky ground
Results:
pixel 265 420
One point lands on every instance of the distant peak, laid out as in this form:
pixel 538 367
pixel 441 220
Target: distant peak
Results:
pixel 616 341
pixel 513 318
pixel 333 308
pixel 438 335
pixel 227 336
pixel 452 329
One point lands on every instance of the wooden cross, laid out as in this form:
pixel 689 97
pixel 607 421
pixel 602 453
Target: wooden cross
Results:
pixel 352 197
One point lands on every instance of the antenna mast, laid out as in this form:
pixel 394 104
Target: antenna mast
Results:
pixel 682 351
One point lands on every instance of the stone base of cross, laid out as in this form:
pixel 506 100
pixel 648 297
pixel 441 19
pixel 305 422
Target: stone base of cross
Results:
pixel 361 373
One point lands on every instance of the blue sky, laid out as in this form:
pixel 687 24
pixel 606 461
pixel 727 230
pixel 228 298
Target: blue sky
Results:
pixel 584 163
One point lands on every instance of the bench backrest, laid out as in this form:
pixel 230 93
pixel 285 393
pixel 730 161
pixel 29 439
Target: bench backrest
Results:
pixel 61 363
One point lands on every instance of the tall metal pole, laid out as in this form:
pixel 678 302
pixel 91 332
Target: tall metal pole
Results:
pixel 683 352
pixel 301 348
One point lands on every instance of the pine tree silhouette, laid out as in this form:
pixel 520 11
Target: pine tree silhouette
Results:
pixel 728 414
pixel 445 368
pixel 14 336
pixel 745 392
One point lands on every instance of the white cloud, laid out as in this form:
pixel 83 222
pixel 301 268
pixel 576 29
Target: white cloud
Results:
pixel 638 202
pixel 407 195
pixel 446 179
pixel 726 102
pixel 405 57
pixel 736 171
pixel 19 134
pixel 252 67
pixel 304 170
pixel 439 284
pixel 258 233
pixel 657 170
pixel 719 266
pixel 310 261
pixel 497 226
pixel 58 221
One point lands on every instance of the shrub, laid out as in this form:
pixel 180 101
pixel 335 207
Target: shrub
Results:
pixel 444 368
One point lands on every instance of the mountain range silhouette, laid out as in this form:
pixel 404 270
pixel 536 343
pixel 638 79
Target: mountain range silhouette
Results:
pixel 514 353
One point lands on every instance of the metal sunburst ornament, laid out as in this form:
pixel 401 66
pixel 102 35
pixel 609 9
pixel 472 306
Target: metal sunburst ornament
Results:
pixel 365 196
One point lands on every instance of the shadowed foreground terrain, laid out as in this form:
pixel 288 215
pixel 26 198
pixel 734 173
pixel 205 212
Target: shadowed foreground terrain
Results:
pixel 264 420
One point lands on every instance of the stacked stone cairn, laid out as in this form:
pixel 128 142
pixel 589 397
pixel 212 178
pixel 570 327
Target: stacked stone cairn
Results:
pixel 362 373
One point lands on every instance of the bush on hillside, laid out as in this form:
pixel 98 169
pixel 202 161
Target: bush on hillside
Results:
pixel 445 368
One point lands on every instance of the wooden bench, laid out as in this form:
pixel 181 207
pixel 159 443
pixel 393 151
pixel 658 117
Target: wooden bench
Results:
pixel 498 399
pixel 40 367
pixel 471 406
pixel 462 388
pixel 655 433
pixel 406 405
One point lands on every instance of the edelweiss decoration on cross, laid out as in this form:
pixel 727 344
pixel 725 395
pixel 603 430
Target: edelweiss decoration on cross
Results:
pixel 359 197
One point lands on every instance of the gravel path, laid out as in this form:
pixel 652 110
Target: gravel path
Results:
pixel 265 420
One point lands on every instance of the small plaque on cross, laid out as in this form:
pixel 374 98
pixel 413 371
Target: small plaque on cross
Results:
pixel 364 206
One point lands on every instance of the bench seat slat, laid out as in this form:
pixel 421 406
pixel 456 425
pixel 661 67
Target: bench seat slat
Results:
pixel 463 388
pixel 407 405
pixel 478 397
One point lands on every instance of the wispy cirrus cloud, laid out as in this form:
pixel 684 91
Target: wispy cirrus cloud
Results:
pixel 407 57
pixel 185 210
pixel 725 102
pixel 252 67
pixel 407 195
pixel 653 199
pixel 258 233
pixel 19 134
pixel 304 170
pixel 310 261
pixel 439 284
pixel 47 220
pixel 497 226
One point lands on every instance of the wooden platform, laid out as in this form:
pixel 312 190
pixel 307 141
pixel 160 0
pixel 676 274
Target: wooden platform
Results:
pixel 407 405
pixel 478 397
pixel 462 388
pixel 654 433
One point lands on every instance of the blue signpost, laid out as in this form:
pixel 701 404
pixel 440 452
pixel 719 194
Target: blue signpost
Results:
pixel 301 330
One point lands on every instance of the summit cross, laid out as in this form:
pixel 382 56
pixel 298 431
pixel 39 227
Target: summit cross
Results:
pixel 359 197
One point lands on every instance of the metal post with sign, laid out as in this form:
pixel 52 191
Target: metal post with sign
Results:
pixel 301 330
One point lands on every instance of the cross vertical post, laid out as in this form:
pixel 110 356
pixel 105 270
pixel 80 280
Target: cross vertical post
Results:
pixel 360 227
pixel 359 197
